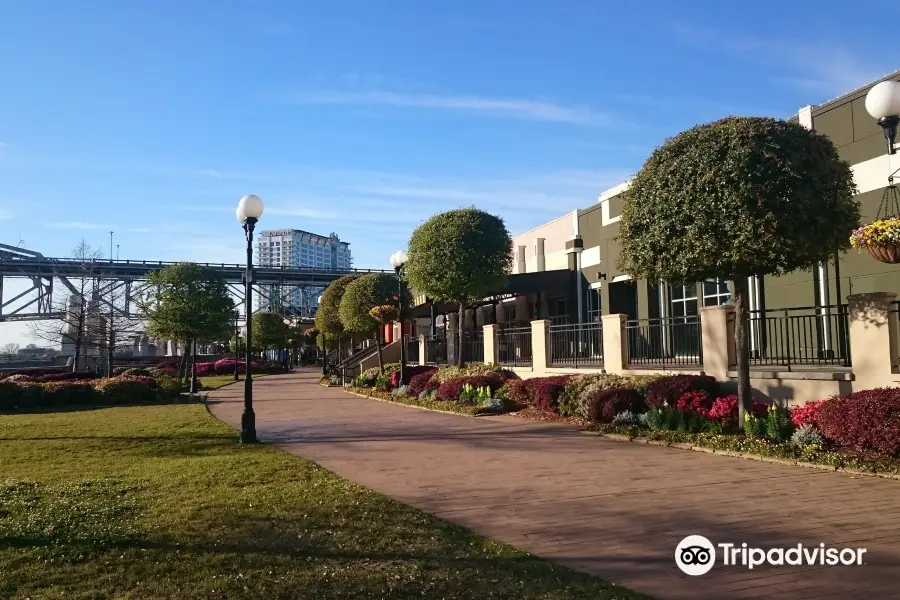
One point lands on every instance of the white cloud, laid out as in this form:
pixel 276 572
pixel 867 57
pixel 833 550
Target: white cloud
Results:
pixel 535 110
pixel 78 225
pixel 823 67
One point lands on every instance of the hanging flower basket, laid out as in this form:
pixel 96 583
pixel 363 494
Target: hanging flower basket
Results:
pixel 880 238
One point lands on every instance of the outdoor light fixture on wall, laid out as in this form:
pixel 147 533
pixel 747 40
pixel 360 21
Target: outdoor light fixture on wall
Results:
pixel 883 103
pixel 601 276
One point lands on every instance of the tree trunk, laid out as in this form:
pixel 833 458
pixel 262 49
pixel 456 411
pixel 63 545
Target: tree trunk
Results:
pixel 460 359
pixel 79 338
pixel 378 348
pixel 109 354
pixel 182 367
pixel 742 347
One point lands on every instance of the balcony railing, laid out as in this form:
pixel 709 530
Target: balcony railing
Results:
pixel 579 345
pixel 473 345
pixel 436 348
pixel 514 346
pixel 807 335
pixel 664 342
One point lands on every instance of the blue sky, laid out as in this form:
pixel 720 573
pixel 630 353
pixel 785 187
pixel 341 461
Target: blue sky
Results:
pixel 365 117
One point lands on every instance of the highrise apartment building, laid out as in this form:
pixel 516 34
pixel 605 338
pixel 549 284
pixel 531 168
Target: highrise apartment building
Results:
pixel 297 249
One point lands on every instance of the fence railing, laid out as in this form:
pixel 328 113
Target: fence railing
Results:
pixel 806 335
pixel 667 341
pixel 411 349
pixel 514 346
pixel 473 346
pixel 579 345
pixel 436 349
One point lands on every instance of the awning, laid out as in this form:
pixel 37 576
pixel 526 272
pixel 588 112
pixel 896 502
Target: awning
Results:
pixel 557 281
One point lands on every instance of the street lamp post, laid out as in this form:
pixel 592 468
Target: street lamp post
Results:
pixel 249 210
pixel 398 259
pixel 883 103
pixel 285 359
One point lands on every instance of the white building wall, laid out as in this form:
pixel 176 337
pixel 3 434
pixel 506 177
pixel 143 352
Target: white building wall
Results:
pixel 555 234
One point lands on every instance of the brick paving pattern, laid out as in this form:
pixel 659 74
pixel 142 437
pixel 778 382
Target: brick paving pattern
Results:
pixel 613 509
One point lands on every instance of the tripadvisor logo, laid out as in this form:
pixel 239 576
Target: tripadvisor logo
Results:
pixel 696 555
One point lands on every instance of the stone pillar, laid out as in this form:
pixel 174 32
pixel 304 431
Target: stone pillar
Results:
pixel 718 345
pixel 423 351
pixel 490 345
pixel 873 340
pixel 615 343
pixel 452 338
pixel 540 345
pixel 539 257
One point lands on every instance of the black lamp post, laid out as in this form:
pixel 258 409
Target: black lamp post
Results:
pixel 249 210
pixel 398 259
pixel 883 103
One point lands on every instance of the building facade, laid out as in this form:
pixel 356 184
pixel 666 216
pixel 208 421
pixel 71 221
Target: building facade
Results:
pixel 860 142
pixel 297 249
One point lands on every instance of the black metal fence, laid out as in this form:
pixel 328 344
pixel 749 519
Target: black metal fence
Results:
pixel 806 335
pixel 514 346
pixel 411 349
pixel 436 348
pixel 473 345
pixel 579 345
pixel 667 341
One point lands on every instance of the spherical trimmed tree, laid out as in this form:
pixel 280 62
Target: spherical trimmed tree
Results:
pixel 328 318
pixel 459 256
pixel 739 197
pixel 360 297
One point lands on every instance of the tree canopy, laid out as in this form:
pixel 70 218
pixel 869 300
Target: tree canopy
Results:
pixel 738 197
pixel 328 318
pixel 361 296
pixel 269 331
pixel 190 302
pixel 459 256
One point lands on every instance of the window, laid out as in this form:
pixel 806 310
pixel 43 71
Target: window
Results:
pixel 716 292
pixel 593 305
pixel 683 300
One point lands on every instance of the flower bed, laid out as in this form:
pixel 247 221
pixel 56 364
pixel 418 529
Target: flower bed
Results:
pixel 754 446
pixel 860 430
pixel 123 389
pixel 474 389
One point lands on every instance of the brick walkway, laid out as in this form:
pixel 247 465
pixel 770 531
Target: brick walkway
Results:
pixel 609 508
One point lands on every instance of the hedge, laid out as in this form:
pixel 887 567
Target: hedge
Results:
pixel 669 390
pixel 450 390
pixel 865 420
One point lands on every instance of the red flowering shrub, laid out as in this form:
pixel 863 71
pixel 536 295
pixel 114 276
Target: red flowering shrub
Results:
pixel 409 372
pixel 419 381
pixel 606 404
pixel 67 393
pixel 32 371
pixel 725 410
pixel 450 390
pixel 806 414
pixel 541 393
pixel 126 390
pixel 696 402
pixel 865 420
pixel 545 391
pixel 669 390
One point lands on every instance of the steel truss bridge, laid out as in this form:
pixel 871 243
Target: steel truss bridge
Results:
pixel 49 281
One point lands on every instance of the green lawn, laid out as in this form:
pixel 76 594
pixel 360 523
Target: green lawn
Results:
pixel 212 382
pixel 161 502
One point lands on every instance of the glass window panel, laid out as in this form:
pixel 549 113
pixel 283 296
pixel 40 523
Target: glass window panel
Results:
pixel 709 288
pixel 678 309
pixel 676 292
pixel 690 290
pixel 691 307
